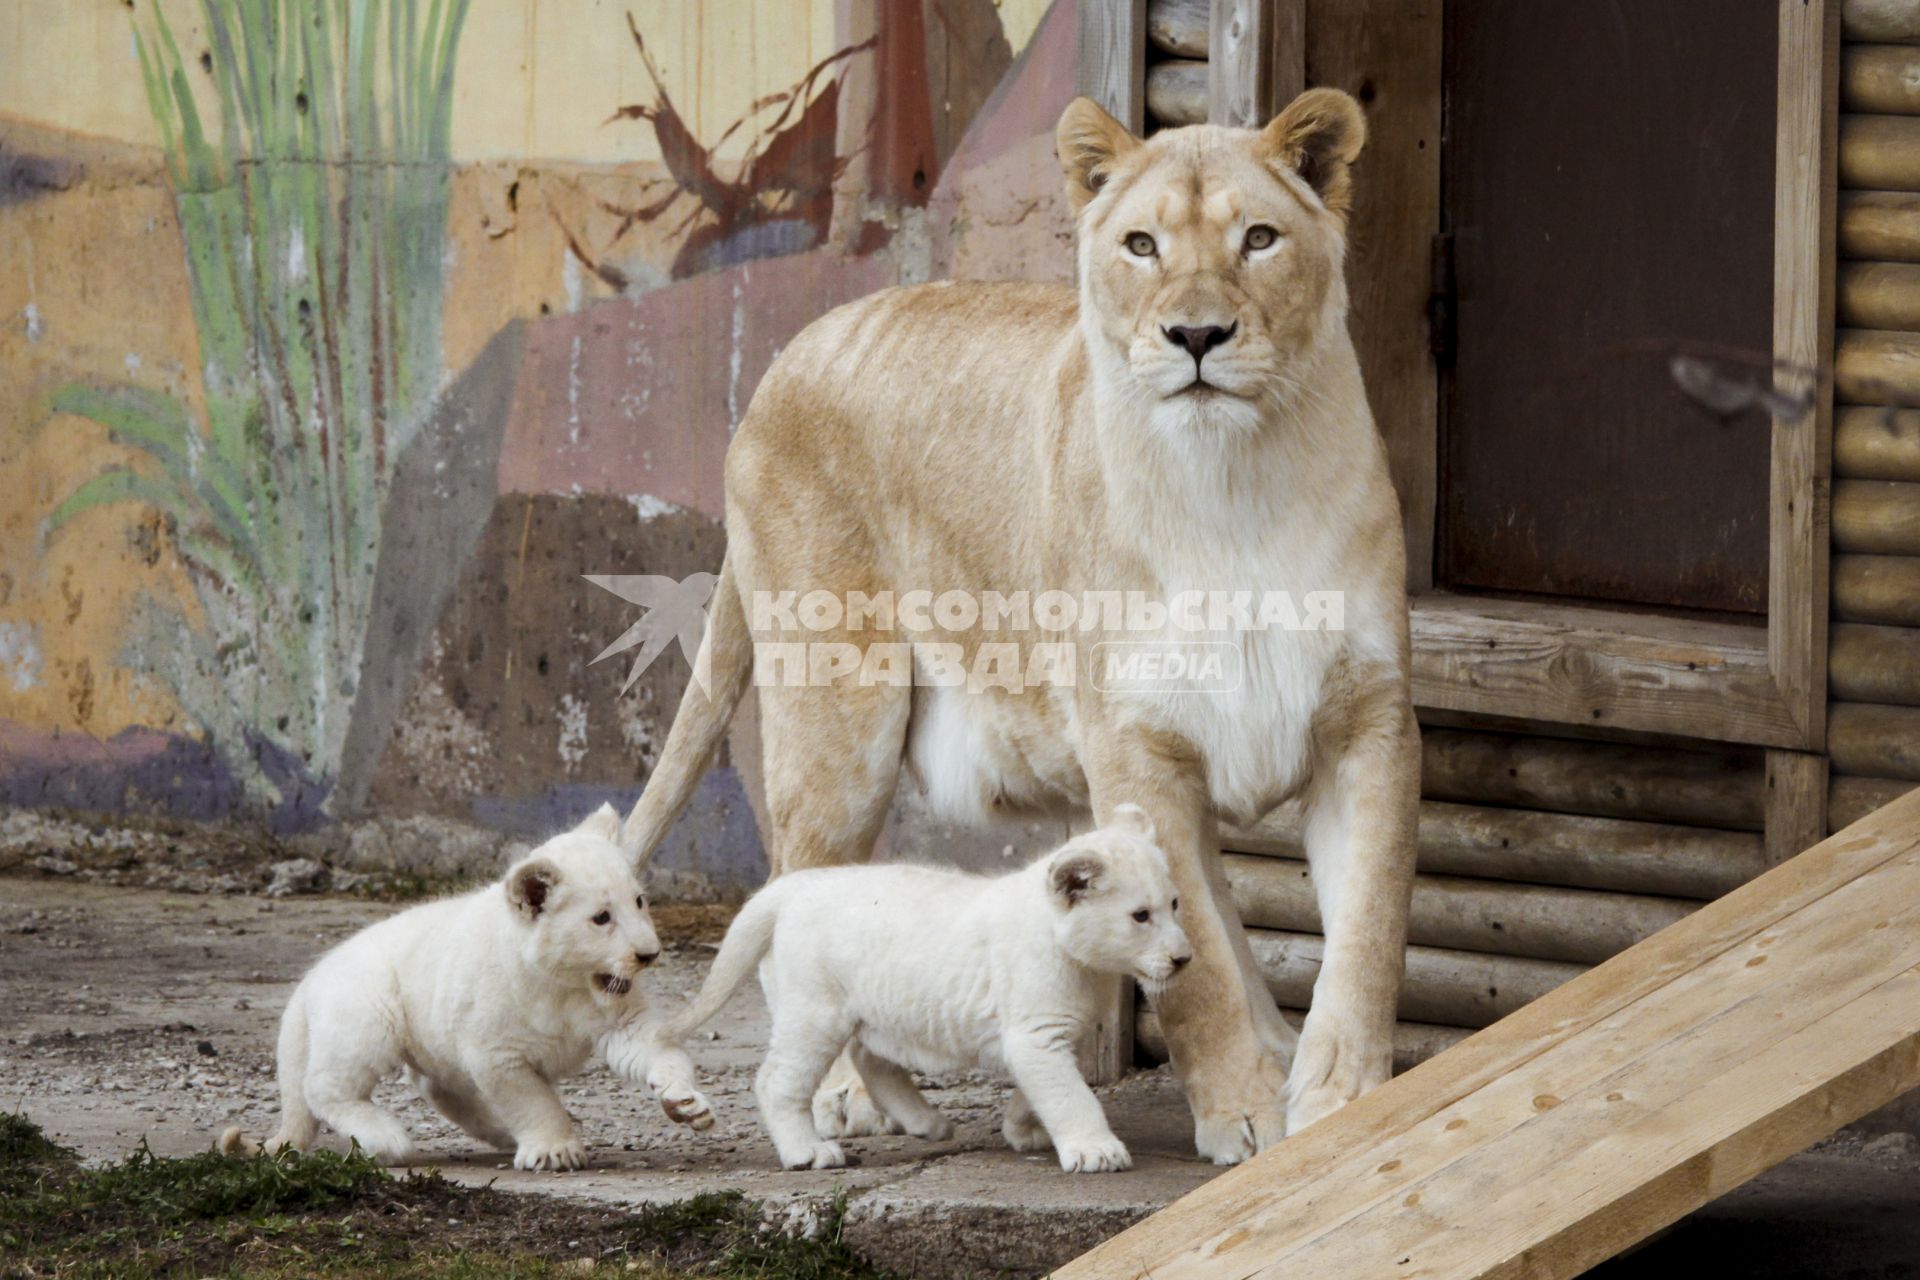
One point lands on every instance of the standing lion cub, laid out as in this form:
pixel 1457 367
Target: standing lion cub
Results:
pixel 484 1000
pixel 937 970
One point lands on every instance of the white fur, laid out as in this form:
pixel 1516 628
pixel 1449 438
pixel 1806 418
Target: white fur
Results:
pixel 484 1000
pixel 933 970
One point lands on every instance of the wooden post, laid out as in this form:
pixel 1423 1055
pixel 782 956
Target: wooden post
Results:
pixel 1796 803
pixel 1113 58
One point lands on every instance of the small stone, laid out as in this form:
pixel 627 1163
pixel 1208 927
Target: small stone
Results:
pixel 1903 1146
pixel 54 866
pixel 295 875
pixel 206 1049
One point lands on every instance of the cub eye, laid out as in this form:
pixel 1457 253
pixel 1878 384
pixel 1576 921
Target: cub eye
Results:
pixel 1260 237
pixel 1142 916
pixel 605 917
pixel 641 902
pixel 1176 904
pixel 1141 245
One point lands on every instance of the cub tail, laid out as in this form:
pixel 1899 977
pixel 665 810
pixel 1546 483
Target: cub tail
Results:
pixel 741 951
pixel 298 1127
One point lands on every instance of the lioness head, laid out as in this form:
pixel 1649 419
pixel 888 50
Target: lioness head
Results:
pixel 1115 907
pixel 582 910
pixel 1211 259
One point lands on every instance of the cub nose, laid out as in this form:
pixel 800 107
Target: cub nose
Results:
pixel 646 958
pixel 1180 962
pixel 1199 339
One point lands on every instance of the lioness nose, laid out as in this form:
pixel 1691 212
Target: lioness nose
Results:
pixel 646 957
pixel 1199 339
pixel 1180 962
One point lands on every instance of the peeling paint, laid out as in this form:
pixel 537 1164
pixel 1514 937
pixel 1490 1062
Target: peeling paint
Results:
pixel 36 327
pixel 20 658
pixel 648 507
pixel 573 731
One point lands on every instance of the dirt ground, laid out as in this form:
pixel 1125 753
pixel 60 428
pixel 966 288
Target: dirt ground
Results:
pixel 133 1014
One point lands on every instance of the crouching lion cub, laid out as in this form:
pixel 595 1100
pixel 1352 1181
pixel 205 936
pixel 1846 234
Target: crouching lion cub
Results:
pixel 484 1000
pixel 937 970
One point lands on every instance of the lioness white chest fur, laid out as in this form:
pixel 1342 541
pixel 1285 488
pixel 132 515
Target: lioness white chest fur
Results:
pixel 1191 418
pixel 485 1000
pixel 937 970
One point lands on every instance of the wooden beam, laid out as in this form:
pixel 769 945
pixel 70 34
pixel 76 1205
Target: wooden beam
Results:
pixel 1113 58
pixel 1876 444
pixel 1602 1112
pixel 1796 803
pixel 1879 295
pixel 1880 153
pixel 1875 664
pixel 1877 366
pixel 1578 926
pixel 1565 849
pixel 1177 93
pixel 1883 78
pixel 1804 208
pixel 1851 799
pixel 1413 1042
pixel 1179 27
pixel 1880 225
pixel 1893 21
pixel 1256 59
pixel 1618 669
pixel 1874 741
pixel 1884 589
pixel 1876 517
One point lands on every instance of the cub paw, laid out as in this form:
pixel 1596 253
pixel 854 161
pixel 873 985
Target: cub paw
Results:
pixel 1024 1132
pixel 1101 1155
pixel 554 1157
pixel 935 1128
pixel 818 1155
pixel 689 1107
pixel 847 1111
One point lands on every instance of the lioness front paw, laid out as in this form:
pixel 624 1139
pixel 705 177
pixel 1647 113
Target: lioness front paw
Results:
pixel 824 1154
pixel 847 1111
pixel 1335 1065
pixel 687 1106
pixel 1230 1137
pixel 1239 1113
pixel 551 1157
pixel 1098 1155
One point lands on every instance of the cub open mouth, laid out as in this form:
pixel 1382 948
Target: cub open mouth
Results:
pixel 612 985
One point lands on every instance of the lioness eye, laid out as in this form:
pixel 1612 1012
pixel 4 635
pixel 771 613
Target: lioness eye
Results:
pixel 1141 245
pixel 1142 915
pixel 1260 237
pixel 605 917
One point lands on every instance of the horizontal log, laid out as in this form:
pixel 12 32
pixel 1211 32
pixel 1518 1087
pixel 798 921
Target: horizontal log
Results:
pixel 1873 443
pixel 1874 741
pixel 1571 850
pixel 1878 295
pixel 1700 788
pixel 1851 799
pixel 1880 153
pixel 1880 589
pixel 1580 926
pixel 1876 366
pixel 1890 21
pixel 1413 1042
pixel 1882 78
pixel 1177 92
pixel 1880 225
pixel 1179 27
pixel 1874 664
pixel 1454 988
pixel 1876 517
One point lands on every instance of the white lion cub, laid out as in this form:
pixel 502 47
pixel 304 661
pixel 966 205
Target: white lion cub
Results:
pixel 484 1000
pixel 937 970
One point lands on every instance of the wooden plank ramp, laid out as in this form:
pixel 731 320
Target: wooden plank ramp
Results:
pixel 1602 1112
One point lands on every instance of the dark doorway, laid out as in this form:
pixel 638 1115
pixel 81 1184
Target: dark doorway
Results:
pixel 1608 193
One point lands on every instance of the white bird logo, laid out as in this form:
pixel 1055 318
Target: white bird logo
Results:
pixel 676 611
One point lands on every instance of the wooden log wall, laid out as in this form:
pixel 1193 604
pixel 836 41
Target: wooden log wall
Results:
pixel 1177 34
pixel 1873 660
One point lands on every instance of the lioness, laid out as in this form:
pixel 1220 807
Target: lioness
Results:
pixel 937 970
pixel 484 1000
pixel 1193 419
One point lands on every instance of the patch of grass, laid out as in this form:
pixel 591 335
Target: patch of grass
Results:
pixel 323 1214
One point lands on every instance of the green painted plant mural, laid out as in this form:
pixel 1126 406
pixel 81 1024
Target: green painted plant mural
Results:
pixel 313 204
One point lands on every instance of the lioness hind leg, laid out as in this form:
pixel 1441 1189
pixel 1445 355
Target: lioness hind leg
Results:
pixel 889 1085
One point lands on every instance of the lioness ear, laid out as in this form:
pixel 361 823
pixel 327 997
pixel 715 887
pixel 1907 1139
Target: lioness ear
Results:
pixel 1318 136
pixel 1089 141
pixel 1074 875
pixel 603 822
pixel 529 884
pixel 1132 818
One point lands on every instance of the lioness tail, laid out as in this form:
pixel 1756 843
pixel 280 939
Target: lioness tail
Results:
pixel 726 660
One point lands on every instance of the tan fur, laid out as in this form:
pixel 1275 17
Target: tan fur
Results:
pixel 1022 437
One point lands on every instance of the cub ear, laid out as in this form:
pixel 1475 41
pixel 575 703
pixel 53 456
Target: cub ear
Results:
pixel 529 884
pixel 1133 819
pixel 1090 142
pixel 1075 875
pixel 1318 136
pixel 603 822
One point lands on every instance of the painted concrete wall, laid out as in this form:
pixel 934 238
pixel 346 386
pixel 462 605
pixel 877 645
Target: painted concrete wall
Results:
pixel 332 359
